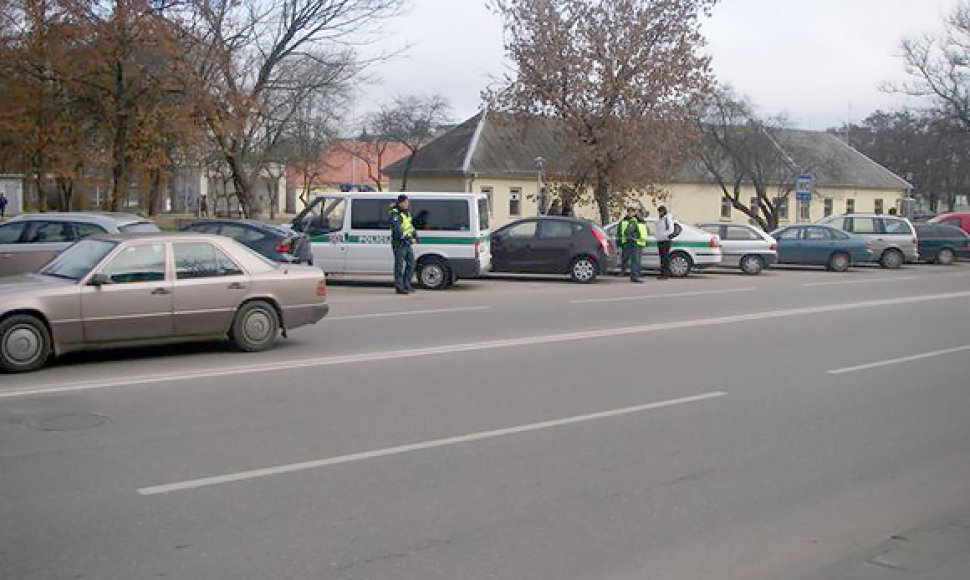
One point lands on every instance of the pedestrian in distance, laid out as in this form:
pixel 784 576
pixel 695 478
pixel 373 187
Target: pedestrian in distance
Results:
pixel 3 205
pixel 637 234
pixel 403 236
pixel 666 231
pixel 625 241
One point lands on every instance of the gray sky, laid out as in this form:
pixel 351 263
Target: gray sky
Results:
pixel 820 62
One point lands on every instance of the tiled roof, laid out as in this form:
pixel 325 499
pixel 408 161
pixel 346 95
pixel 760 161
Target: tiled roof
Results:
pixel 504 146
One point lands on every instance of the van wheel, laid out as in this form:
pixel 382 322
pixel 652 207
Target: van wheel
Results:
pixel 583 270
pixel 752 265
pixel 839 262
pixel 255 326
pixel 891 259
pixel 434 275
pixel 945 257
pixel 25 343
pixel 680 265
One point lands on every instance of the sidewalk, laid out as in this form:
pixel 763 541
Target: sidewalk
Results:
pixel 939 550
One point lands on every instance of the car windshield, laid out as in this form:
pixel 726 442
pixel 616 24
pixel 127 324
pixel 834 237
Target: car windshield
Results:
pixel 76 261
pixel 139 228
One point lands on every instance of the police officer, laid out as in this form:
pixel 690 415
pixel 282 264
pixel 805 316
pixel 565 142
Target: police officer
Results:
pixel 638 234
pixel 403 237
pixel 626 239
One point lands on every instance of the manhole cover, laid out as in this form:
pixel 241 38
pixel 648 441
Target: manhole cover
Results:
pixel 70 422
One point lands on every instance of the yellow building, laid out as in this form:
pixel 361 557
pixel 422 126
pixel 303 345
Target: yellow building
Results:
pixel 490 154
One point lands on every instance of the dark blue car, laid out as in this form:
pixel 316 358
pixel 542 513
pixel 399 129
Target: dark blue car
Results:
pixel 942 244
pixel 821 245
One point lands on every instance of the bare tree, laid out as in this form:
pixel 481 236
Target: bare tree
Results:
pixel 623 76
pixel 928 150
pixel 741 153
pixel 940 67
pixel 411 121
pixel 259 61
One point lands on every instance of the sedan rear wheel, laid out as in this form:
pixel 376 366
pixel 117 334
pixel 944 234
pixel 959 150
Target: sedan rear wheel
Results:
pixel 680 264
pixel 752 265
pixel 945 257
pixel 25 343
pixel 255 326
pixel 583 270
pixel 839 262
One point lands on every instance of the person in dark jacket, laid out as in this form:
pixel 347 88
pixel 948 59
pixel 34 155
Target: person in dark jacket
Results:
pixel 403 236
pixel 3 205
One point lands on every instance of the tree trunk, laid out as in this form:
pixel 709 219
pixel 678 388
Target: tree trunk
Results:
pixel 407 170
pixel 602 196
pixel 119 172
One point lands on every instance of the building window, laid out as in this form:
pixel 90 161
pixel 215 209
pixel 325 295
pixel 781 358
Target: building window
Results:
pixel 491 201
pixel 804 211
pixel 725 208
pixel 781 204
pixel 515 201
pixel 828 206
pixel 850 206
pixel 878 206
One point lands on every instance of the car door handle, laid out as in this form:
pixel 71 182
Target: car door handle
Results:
pixel 159 291
pixel 237 286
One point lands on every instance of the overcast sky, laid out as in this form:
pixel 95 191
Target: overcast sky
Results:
pixel 821 62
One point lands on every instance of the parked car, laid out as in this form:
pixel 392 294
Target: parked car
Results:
pixel 693 249
pixel 551 245
pixel 28 241
pixel 117 290
pixel 960 219
pixel 893 238
pixel 276 243
pixel 821 245
pixel 743 246
pixel 942 244
pixel 350 234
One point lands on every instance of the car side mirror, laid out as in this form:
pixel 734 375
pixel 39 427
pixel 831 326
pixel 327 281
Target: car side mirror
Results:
pixel 99 279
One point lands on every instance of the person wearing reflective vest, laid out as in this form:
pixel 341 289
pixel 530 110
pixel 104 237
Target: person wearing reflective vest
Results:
pixel 632 238
pixel 623 240
pixel 403 237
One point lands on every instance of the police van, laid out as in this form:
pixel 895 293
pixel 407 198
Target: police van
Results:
pixel 350 234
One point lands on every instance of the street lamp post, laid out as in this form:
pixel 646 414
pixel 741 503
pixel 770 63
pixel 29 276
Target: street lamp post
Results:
pixel 540 189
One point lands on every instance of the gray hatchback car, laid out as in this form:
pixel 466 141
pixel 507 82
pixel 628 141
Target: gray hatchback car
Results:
pixel 29 241
pixel 893 238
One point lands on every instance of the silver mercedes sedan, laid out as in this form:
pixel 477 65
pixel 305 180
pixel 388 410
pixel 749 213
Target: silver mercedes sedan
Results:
pixel 126 290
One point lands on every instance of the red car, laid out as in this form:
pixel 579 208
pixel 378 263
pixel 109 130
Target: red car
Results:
pixel 960 219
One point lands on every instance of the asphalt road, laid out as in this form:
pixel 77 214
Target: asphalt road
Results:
pixel 719 427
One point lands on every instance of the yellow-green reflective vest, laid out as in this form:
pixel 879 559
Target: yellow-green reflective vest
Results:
pixel 407 226
pixel 624 227
pixel 642 237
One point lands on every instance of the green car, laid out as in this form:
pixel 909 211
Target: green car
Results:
pixel 819 245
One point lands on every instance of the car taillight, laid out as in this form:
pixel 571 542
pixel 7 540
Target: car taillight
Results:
pixel 604 242
pixel 773 247
pixel 914 241
pixel 714 242
pixel 284 247
pixel 322 288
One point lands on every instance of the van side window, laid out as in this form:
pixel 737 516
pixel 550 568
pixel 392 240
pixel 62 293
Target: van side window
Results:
pixel 446 215
pixel 325 216
pixel 371 214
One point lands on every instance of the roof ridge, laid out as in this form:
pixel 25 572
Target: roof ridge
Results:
pixel 473 144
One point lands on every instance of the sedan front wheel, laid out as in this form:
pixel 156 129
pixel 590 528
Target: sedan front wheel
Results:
pixel 25 343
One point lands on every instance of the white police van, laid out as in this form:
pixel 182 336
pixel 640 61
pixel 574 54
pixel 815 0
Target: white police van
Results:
pixel 350 234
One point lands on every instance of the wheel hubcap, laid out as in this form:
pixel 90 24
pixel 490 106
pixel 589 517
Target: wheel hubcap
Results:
pixel 583 270
pixel 946 257
pixel 679 267
pixel 751 265
pixel 22 344
pixel 432 276
pixel 258 326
